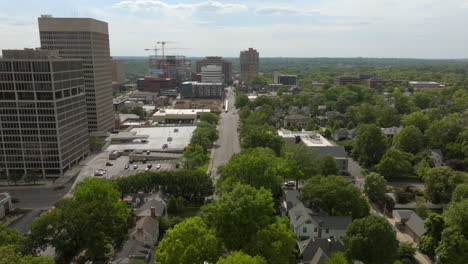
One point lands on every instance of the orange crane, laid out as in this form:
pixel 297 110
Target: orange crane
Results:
pixel 163 43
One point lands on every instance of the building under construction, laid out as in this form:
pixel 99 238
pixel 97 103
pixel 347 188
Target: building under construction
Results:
pixel 175 67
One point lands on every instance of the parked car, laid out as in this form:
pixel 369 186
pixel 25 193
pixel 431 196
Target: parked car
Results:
pixel 149 166
pixel 148 152
pixel 98 173
pixel 59 187
pixel 145 160
pixel 109 163
pixel 126 167
pixel 135 167
pixel 290 184
pixel 158 166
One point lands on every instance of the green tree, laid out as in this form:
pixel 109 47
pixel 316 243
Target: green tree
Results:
pixel 258 167
pixel 417 119
pixel 93 221
pixel 11 237
pixel 422 167
pixel 240 258
pixel 194 157
pixel 276 243
pixel 328 165
pixel 262 136
pixel 259 80
pixel 175 205
pixel 434 225
pixel 452 247
pixel 442 132
pixel 209 117
pixel 9 255
pixel 244 113
pixel 336 196
pixel 337 258
pixel 238 215
pixel 189 242
pixel 394 163
pixel 371 240
pixel 440 182
pixel 370 144
pixel 422 100
pixel 460 193
pixel 406 251
pixel 388 116
pixel 375 187
pixel 410 139
pixel 95 144
pixel 200 138
pixel 241 100
pixel 456 214
pixel 32 176
pixel 139 111
pixel 305 158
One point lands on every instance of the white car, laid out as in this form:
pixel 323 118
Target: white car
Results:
pixel 135 167
pixel 158 166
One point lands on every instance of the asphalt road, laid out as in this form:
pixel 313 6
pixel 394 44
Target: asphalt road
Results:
pixel 35 197
pixel 228 142
pixel 22 224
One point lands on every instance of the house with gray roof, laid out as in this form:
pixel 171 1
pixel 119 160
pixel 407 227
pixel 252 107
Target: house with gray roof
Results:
pixel 134 250
pixel 391 131
pixel 154 207
pixel 288 201
pixel 402 216
pixel 306 223
pixel 345 134
pixel 319 250
pixel 146 230
pixel 295 120
pixel 415 228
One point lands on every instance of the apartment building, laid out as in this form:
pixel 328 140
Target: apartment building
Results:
pixel 249 64
pixel 216 60
pixel 43 123
pixel 212 74
pixel 86 39
pixel 118 71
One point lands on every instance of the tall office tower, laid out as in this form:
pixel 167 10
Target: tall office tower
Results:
pixel 215 60
pixel 43 125
pixel 249 64
pixel 212 74
pixel 86 39
pixel 118 71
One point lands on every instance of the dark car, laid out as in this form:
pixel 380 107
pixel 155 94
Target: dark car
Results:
pixel 145 160
pixel 15 200
pixel 59 187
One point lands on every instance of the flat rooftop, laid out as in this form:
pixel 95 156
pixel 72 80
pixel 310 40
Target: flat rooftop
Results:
pixel 157 137
pixel 309 138
pixel 164 112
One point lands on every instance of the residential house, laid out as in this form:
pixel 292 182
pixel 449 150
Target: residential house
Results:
pixel 415 228
pixel 154 207
pixel 146 230
pixel 321 120
pixel 6 205
pixel 436 156
pixel 292 110
pixel 288 201
pixel 306 224
pixel 391 131
pixel 134 250
pixel 402 216
pixel 322 108
pixel 295 120
pixel 319 250
pixel 345 134
pixel 338 152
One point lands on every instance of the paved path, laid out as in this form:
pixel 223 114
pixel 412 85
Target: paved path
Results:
pixel 228 142
pixel 22 224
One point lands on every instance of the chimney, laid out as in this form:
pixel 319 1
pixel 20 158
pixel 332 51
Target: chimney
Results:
pixel 153 211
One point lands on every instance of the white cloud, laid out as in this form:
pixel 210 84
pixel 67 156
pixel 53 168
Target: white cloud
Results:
pixel 285 11
pixel 205 6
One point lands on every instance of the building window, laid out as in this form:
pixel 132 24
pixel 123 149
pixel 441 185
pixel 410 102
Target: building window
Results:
pixel 315 229
pixel 304 230
pixel 327 230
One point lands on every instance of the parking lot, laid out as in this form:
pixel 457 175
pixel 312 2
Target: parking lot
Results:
pixel 119 167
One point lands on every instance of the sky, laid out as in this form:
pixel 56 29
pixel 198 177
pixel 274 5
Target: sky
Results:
pixel 294 28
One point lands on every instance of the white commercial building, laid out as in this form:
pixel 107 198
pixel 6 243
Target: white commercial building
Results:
pixel 212 74
pixel 171 116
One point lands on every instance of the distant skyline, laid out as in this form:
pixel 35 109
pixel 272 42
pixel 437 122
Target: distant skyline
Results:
pixel 431 29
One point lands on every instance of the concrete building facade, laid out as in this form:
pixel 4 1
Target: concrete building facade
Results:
pixel 43 125
pixel 201 90
pixel 212 74
pixel 249 64
pixel 86 39
pixel 118 71
pixel 215 60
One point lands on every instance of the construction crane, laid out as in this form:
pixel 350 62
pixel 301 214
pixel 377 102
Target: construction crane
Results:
pixel 163 43
pixel 155 49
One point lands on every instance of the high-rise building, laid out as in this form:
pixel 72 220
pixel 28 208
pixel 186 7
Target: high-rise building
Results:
pixel 249 64
pixel 118 71
pixel 43 124
pixel 86 39
pixel 212 74
pixel 216 60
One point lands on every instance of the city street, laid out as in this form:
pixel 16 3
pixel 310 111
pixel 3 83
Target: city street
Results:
pixel 35 197
pixel 228 142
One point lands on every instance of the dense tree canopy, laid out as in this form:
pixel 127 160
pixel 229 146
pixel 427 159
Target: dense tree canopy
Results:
pixel 370 144
pixel 328 165
pixel 417 119
pixel 393 164
pixel 254 136
pixel 460 193
pixel 440 183
pixel 371 240
pixel 211 118
pixel 336 196
pixel 410 139
pixel 241 100
pixel 240 258
pixel 189 242
pixel 93 221
pixel 375 187
pixel 238 215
